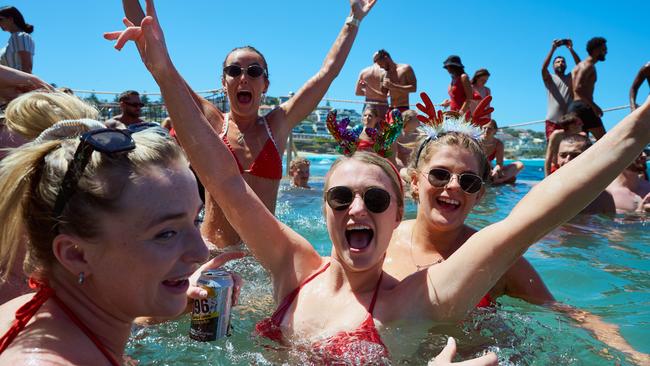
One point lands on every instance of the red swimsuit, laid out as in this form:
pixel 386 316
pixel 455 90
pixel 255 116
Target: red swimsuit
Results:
pixel 267 164
pixel 30 308
pixel 343 344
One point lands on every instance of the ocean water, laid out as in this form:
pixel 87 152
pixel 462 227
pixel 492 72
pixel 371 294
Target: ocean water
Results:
pixel 597 264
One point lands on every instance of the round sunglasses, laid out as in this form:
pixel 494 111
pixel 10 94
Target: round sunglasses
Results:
pixel 253 71
pixel 469 182
pixel 340 198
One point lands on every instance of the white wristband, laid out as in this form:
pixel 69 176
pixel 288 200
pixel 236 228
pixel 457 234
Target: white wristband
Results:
pixel 351 20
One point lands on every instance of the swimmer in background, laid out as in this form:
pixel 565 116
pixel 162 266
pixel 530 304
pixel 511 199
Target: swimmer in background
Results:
pixel 258 143
pixel 569 124
pixel 569 148
pixel 299 173
pixel 629 191
pixel 494 149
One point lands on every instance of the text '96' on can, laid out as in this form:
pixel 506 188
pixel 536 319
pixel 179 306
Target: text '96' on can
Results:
pixel 211 315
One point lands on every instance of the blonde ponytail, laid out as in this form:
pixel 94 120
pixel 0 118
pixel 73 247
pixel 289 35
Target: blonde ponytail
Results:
pixel 17 176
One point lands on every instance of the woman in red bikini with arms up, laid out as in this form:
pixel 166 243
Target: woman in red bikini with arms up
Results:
pixel 258 143
pixel 113 235
pixel 364 205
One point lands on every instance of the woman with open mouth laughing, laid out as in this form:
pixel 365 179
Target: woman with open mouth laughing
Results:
pixel 364 204
pixel 258 143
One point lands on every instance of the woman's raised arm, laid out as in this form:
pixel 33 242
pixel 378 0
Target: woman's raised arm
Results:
pixel 276 246
pixel 456 285
pixel 311 93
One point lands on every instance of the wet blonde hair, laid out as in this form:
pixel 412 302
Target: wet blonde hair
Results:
pixel 371 158
pixel 298 161
pixel 31 113
pixel 31 177
pixel 454 139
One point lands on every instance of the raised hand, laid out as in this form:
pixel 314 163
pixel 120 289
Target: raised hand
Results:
pixel 149 39
pixel 360 8
pixel 447 354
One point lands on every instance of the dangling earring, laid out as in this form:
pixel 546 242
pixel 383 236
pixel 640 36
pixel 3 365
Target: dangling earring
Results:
pixel 81 279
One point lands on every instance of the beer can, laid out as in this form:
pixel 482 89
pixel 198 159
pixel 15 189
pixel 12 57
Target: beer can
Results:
pixel 210 317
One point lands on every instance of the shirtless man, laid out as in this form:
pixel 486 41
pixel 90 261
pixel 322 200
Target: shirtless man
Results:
pixel 630 192
pixel 399 81
pixel 369 85
pixel 584 81
pixel 131 107
pixel 643 74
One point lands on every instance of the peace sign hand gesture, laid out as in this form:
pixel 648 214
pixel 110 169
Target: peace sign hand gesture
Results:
pixel 149 39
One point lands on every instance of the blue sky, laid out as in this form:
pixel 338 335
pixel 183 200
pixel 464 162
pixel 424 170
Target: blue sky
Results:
pixel 509 38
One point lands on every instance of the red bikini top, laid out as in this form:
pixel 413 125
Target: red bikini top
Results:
pixel 267 164
pixel 31 307
pixel 342 345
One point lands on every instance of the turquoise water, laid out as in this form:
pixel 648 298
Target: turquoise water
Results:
pixel 594 263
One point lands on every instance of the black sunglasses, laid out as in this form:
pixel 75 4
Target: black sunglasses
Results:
pixel 469 182
pixel 104 140
pixel 253 71
pixel 340 198
pixel 139 105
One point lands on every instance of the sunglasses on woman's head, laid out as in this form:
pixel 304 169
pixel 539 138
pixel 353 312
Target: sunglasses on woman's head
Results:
pixel 340 198
pixel 253 71
pixel 469 182
pixel 104 140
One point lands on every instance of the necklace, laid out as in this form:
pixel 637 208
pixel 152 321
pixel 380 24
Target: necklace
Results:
pixel 240 134
pixel 420 267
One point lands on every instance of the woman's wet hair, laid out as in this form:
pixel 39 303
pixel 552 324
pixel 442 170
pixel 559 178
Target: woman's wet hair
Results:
pixel 19 20
pixel 408 114
pixel 31 113
pixel 251 49
pixel 31 177
pixel 372 159
pixel 452 139
pixel 493 123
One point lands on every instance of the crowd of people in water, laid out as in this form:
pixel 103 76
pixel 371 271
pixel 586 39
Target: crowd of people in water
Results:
pixel 103 219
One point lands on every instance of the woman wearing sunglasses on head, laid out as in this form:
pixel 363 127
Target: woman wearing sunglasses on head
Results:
pixel 364 205
pixel 258 143
pixel 102 249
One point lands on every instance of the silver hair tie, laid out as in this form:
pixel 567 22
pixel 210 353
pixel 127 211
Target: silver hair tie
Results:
pixel 68 129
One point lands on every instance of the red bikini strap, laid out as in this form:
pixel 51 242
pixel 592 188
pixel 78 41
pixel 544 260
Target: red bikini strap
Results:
pixel 86 331
pixel 278 315
pixel 29 309
pixel 25 313
pixel 374 296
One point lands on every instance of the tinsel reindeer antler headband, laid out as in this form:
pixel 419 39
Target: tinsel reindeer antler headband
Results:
pixel 345 136
pixel 438 123
pixel 348 137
